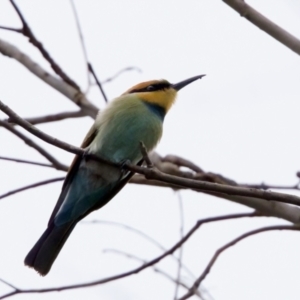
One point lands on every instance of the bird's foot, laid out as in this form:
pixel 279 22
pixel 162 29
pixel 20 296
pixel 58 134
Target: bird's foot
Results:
pixel 145 155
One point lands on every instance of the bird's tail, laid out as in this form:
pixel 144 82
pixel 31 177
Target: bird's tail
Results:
pixel 44 252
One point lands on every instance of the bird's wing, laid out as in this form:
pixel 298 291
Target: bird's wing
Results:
pixel 88 205
pixel 72 170
pixel 113 191
pixel 88 192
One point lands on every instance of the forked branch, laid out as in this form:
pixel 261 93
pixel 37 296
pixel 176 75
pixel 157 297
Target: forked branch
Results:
pixel 206 271
pixel 151 173
pixel 17 291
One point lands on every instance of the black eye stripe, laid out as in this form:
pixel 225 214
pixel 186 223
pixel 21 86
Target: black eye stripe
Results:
pixel 152 87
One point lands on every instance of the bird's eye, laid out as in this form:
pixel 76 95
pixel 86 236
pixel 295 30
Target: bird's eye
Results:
pixel 150 88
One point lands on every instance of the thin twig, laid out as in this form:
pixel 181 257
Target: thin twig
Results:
pixel 141 180
pixel 90 68
pixel 270 208
pixel 18 30
pixel 26 31
pixel 138 269
pixel 83 47
pixel 215 188
pixel 8 284
pixel 182 162
pixel 23 161
pixel 59 85
pixel 56 164
pixel 109 79
pixel 228 245
pixel 265 24
pixel 181 231
pixel 52 118
pixel 264 186
pixel 141 234
pixel 129 228
pixel 46 137
pixel 157 270
pixel 31 186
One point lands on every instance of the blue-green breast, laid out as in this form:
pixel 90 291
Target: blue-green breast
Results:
pixel 123 124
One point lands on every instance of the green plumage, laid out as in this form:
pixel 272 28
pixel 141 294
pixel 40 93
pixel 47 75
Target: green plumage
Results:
pixel 122 125
pixel 115 136
pixel 135 117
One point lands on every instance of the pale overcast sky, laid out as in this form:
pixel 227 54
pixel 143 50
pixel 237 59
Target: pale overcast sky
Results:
pixel 241 121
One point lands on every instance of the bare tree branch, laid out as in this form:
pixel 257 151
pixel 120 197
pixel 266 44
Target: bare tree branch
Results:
pixel 83 47
pixel 182 162
pixel 52 118
pixel 157 270
pixel 129 228
pixel 280 210
pixel 181 231
pixel 31 186
pixel 169 173
pixel 136 270
pixel 90 68
pixel 215 188
pixel 228 245
pixel 141 180
pixel 141 234
pixel 35 131
pixel 56 164
pixel 265 24
pixel 26 31
pixel 151 173
pixel 7 283
pixel 18 30
pixel 67 90
pixel 26 161
pixel 269 208
pixel 264 186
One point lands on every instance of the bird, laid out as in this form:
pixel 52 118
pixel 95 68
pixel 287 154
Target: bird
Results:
pixel 135 117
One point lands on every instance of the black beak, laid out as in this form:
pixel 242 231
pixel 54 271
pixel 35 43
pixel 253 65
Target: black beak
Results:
pixel 178 86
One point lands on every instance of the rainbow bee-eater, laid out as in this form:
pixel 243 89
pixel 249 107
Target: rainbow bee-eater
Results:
pixel 136 116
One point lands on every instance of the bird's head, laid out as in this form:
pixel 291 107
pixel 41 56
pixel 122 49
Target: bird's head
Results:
pixel 160 92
